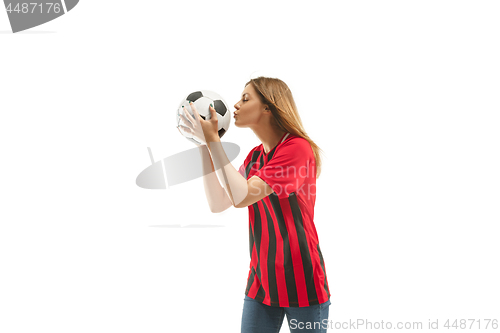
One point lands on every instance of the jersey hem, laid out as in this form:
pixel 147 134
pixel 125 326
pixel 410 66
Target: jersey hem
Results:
pixel 276 304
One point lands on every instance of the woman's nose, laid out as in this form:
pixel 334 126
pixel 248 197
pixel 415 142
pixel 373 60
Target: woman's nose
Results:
pixel 236 106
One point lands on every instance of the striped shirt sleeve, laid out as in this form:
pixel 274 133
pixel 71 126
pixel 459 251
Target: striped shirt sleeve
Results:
pixel 289 167
pixel 242 170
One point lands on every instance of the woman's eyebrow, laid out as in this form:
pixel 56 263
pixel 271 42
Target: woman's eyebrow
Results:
pixel 244 94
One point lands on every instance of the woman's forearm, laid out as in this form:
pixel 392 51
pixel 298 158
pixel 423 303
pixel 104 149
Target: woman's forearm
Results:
pixel 233 182
pixel 213 191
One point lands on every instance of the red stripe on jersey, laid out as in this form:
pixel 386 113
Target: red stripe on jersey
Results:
pixel 319 278
pixel 253 288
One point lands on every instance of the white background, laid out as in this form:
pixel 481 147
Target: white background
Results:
pixel 402 96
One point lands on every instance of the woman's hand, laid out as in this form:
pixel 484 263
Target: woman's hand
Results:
pixel 201 130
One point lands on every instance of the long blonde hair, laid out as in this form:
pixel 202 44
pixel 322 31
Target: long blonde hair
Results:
pixel 276 94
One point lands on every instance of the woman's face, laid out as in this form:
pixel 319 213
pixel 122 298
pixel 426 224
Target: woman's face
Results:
pixel 249 108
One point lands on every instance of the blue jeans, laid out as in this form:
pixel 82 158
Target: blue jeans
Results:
pixel 261 318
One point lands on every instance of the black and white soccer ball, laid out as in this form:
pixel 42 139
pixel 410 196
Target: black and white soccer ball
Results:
pixel 202 100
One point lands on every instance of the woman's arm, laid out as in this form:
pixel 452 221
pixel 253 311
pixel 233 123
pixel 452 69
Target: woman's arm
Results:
pixel 217 198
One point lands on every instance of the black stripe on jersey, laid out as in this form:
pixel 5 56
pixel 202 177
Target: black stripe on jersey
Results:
pixel 271 153
pixel 271 256
pixel 250 281
pixel 261 164
pixel 250 237
pixel 255 156
pixel 323 267
pixel 304 250
pixel 257 228
pixel 261 294
pixel 291 287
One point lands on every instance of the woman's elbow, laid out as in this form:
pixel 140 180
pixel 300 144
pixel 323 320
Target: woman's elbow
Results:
pixel 241 205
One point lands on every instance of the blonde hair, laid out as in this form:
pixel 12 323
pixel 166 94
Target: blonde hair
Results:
pixel 276 94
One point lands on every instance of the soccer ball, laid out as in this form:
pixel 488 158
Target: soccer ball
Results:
pixel 202 100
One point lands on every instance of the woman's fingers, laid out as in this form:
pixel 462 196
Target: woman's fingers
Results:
pixel 185 121
pixel 195 111
pixel 187 115
pixel 213 113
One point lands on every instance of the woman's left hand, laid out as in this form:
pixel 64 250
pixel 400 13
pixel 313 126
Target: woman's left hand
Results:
pixel 201 130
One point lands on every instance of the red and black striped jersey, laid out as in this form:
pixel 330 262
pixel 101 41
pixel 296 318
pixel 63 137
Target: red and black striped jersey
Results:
pixel 286 265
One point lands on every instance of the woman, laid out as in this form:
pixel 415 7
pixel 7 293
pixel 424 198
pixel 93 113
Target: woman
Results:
pixel 277 182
